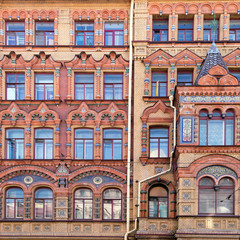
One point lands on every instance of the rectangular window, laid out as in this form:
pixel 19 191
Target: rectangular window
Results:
pixel 159 84
pixel 113 86
pixel 208 34
pixel 15 143
pixel 84 33
pixel 184 78
pixel 43 143
pixel 15 88
pixel 158 141
pixel 112 144
pixel 160 30
pixel 185 30
pixel 83 144
pixel 44 33
pixel 234 31
pixel 44 86
pixel 114 33
pixel 15 33
pixel 84 83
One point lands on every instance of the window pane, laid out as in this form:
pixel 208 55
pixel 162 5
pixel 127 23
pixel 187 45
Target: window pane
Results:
pixel 234 24
pixel 107 209
pixel 225 201
pixel 79 209
pixel 40 38
pixel 229 132
pixel 44 133
pixel 162 207
pixel 88 150
pixel 108 38
pixel 49 92
pixel 39 149
pixel 154 147
pixel 44 78
pixel 118 41
pixel 20 92
pixel 215 132
pixel 113 78
pixel 49 26
pixel 84 78
pixel 9 208
pixel 108 92
pixel 14 193
pixel 206 201
pixel 113 26
pixel 15 133
pixel 153 207
pixel 80 39
pixel 19 149
pixel 112 133
pixel 49 38
pixel 88 209
pixel 158 132
pixel 117 149
pixel 40 92
pixel 185 24
pixel 83 193
pixel 163 147
pixel 19 208
pixel 160 24
pixel 79 149
pixel 84 26
pixel 48 149
pixel 43 193
pixel 184 78
pixel 108 149
pixel 203 132
pixel 38 208
pixel 15 26
pixel 112 194
pixel 48 209
pixel 20 38
pixel 116 209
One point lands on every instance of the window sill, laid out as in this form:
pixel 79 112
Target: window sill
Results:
pixel 155 99
pixel 147 160
pixel 30 102
pixel 96 101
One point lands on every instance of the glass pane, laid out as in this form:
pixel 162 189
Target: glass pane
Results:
pixel 234 24
pixel 206 182
pixel 226 182
pixel 181 35
pixel 107 209
pixel 10 208
pixel 225 201
pixel 11 92
pixel 89 91
pixel 44 26
pixel 11 149
pixel 15 133
pixel 11 38
pixel 162 207
pixel 108 92
pixel 153 207
pixel 118 40
pixel 79 88
pixel 113 133
pixel 206 201
pixel 11 78
pixel 44 78
pixel 108 38
pixel 116 209
pixel 39 92
pixel 79 149
pixel 48 92
pixel 20 92
pixel 163 147
pixel 203 132
pixel 113 26
pixel 49 38
pixel 84 78
pixel 83 193
pixel 160 24
pixel 229 132
pixel 215 132
pixel 88 150
pixel 85 26
pixel 48 149
pixel 87 209
pixel 20 38
pixel 117 149
pixel 48 209
pixel 79 209
pixel 184 78
pixel 159 132
pixel 89 39
pixel 14 193
pixel 83 133
pixel 80 39
pixel 185 24
pixel 15 26
pixel 154 147
pixel 108 149
pixel 112 194
pixel 38 208
pixel 113 78
pixel 43 193
pixel 19 149
pixel 43 133
pixel 19 208
pixel 118 91
pixel 40 38
pixel 39 149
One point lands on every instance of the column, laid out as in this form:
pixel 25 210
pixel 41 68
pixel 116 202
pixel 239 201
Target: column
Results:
pixel 126 31
pixel 126 142
pixel 1 31
pixel 57 143
pixel 26 31
pixel 146 81
pixel 28 84
pixel 199 26
pixel 55 31
pixel 226 26
pixel 1 153
pixel 96 31
pixel 30 31
pixel 126 82
pixel 172 80
pixel 57 94
pixel 68 144
pixel 148 27
pixel 144 140
pixel 101 31
pixel 28 141
pixel 173 27
pixel 71 31
pixel 98 83
pixel 1 90
pixel 69 78
pixel 98 143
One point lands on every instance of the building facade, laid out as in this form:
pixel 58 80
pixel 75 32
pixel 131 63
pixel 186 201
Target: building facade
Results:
pixel 68 138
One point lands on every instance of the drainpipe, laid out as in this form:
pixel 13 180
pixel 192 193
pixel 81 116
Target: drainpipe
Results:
pixel 129 118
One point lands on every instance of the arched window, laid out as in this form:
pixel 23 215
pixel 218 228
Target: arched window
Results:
pixel 14 203
pixel 112 204
pixel 83 144
pixel 83 199
pixel 43 203
pixel 216 199
pixel 216 128
pixel 158 202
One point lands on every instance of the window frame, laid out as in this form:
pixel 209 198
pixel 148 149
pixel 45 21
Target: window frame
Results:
pixel 207 119
pixel 74 204
pixel 6 145
pixel 83 143
pixel 75 85
pixel 15 203
pixel 35 85
pixel 216 195
pixel 164 187
pixel 160 30
pixel 6 33
pixel 113 34
pixel 179 71
pixel 159 86
pixel 234 30
pixel 112 139
pixel 36 31
pixel 186 29
pixel 87 31
pixel 15 85
pixel 210 30
pixel 149 149
pixel 112 199
pixel 113 86
pixel 44 205
pixel 53 149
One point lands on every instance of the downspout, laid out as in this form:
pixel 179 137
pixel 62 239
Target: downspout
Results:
pixel 171 157
pixel 129 117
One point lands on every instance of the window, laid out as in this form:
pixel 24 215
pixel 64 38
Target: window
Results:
pixel 15 33
pixel 216 128
pixel 185 30
pixel 84 144
pixel 184 78
pixel 112 144
pixel 113 33
pixel 113 86
pixel 15 143
pixel 15 86
pixel 235 73
pixel 43 143
pixel 14 203
pixel 83 204
pixel 159 84
pixel 158 202
pixel 112 204
pixel 44 86
pixel 158 142
pixel 84 86
pixel 44 33
pixel 208 34
pixel 85 33
pixel 160 30
pixel 216 199
pixel 234 32
pixel 43 203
